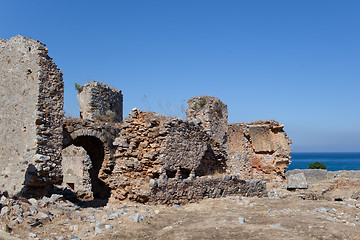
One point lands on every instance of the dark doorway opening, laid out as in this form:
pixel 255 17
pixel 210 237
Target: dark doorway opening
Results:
pixel 95 149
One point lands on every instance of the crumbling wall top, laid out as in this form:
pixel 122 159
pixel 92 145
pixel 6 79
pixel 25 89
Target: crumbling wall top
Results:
pixel 100 102
pixel 212 113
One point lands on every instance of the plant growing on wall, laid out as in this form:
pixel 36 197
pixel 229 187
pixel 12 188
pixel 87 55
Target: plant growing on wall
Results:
pixel 78 87
pixel 202 102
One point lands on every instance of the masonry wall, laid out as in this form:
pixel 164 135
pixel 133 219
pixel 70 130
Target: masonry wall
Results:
pixel 76 165
pixel 31 112
pixel 258 150
pixel 175 191
pixel 100 102
pixel 152 149
pixel 169 160
pixel 212 113
pixel 96 138
pixel 153 158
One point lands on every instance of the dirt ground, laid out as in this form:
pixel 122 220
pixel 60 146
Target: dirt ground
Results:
pixel 283 215
pixel 263 219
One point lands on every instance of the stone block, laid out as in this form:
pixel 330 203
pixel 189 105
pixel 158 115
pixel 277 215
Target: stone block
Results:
pixel 258 150
pixel 310 173
pixel 261 138
pixel 297 181
pixel 180 192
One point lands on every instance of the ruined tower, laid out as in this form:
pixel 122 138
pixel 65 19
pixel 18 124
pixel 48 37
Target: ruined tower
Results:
pixel 213 114
pixel 31 115
pixel 101 102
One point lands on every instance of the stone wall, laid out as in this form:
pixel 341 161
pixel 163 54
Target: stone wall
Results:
pixel 138 147
pixel 154 148
pixel 213 115
pixel 151 155
pixel 101 102
pixel 96 138
pixel 76 165
pixel 31 112
pixel 258 150
pixel 153 158
pixel 175 191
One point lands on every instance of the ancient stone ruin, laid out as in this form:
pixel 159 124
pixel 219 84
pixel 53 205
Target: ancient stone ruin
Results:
pixel 259 150
pixel 31 116
pixel 101 102
pixel 146 157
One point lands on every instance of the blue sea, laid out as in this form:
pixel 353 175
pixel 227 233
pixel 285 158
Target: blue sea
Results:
pixel 333 161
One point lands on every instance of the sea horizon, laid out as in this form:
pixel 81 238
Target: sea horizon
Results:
pixel 334 161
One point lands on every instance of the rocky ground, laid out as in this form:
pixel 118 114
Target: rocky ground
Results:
pixel 283 214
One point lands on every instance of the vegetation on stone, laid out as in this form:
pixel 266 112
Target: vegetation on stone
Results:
pixel 78 87
pixel 317 165
pixel 202 102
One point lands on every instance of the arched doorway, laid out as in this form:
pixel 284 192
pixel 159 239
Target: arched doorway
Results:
pixel 95 150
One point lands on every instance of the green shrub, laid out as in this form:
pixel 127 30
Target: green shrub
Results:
pixel 78 87
pixel 202 102
pixel 317 165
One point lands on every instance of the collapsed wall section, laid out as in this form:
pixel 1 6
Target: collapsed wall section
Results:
pixel 179 192
pixel 31 112
pixel 154 149
pixel 100 102
pixel 258 150
pixel 212 113
pixel 168 160
pixel 138 156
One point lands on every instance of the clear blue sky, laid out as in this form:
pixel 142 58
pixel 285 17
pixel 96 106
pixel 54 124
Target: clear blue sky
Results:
pixel 297 62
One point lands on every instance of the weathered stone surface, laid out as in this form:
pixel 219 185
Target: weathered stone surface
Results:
pixel 188 150
pixel 76 165
pixel 213 115
pixel 258 150
pixel 100 102
pixel 260 137
pixel 169 160
pixel 151 149
pixel 174 191
pixel 310 173
pixel 96 138
pixel 31 112
pixel 297 181
pixel 151 146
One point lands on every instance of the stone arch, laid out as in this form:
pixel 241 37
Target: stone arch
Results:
pixel 95 144
pixel 85 132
